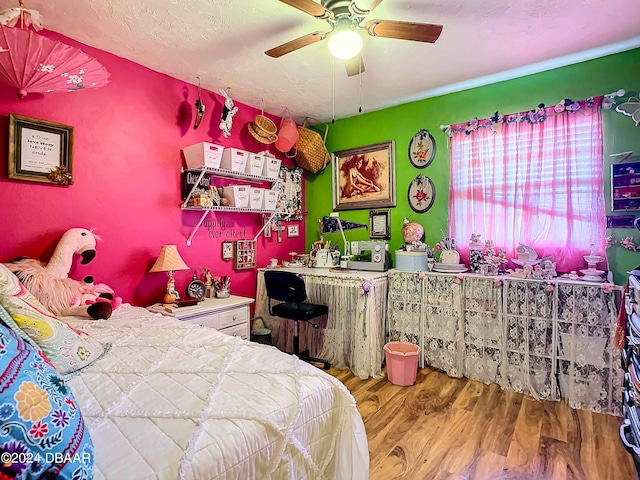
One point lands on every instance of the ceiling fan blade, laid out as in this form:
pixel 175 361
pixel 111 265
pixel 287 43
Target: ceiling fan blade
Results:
pixel 363 8
pixel 419 32
pixel 310 7
pixel 293 45
pixel 354 65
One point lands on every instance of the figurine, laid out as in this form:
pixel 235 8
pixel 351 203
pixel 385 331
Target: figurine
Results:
pixel 208 283
pixel 228 111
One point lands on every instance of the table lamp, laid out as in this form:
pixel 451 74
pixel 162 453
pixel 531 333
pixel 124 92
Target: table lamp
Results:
pixel 332 224
pixel 169 260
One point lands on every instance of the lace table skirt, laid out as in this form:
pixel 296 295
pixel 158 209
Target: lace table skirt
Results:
pixel 550 340
pixel 353 333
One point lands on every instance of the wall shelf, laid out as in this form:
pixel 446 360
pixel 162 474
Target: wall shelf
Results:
pixel 220 172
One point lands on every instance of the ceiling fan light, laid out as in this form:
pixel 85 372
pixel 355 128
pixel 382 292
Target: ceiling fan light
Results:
pixel 345 44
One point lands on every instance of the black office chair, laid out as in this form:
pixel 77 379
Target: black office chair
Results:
pixel 290 289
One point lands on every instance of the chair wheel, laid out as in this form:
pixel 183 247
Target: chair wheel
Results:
pixel 327 366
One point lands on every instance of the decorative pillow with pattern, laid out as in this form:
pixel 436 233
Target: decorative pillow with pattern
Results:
pixel 67 348
pixel 42 432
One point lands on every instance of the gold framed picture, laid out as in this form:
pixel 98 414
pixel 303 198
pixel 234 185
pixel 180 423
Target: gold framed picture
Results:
pixel 40 151
pixel 364 177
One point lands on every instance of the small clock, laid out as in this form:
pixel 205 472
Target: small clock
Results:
pixel 421 194
pixel 422 149
pixel 195 289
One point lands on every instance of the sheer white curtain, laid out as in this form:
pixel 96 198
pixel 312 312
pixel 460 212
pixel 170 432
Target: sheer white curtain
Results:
pixel 540 184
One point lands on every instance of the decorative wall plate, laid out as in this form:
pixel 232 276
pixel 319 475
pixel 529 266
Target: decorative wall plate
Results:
pixel 421 194
pixel 422 149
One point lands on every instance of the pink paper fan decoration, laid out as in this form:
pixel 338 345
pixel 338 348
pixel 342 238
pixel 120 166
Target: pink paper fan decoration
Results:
pixel 32 63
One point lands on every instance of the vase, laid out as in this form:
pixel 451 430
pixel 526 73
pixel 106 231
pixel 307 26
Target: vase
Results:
pixel 449 256
pixel 222 293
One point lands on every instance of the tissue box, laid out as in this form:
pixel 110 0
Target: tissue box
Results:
pixel 203 154
pixel 412 261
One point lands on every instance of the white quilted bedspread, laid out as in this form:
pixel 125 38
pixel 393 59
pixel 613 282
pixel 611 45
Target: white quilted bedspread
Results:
pixel 177 401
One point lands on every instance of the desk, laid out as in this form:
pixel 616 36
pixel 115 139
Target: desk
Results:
pixel 354 333
pixel 551 340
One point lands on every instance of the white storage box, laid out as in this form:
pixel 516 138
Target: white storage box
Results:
pixel 234 159
pixel 238 195
pixel 271 167
pixel 203 154
pixel 412 261
pixel 255 164
pixel 256 197
pixel 270 199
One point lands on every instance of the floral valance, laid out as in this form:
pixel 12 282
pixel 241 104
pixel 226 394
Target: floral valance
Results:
pixel 536 115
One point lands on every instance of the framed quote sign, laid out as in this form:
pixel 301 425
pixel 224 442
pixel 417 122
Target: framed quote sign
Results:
pixel 40 151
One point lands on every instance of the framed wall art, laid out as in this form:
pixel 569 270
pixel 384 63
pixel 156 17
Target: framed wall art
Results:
pixel 422 149
pixel 227 251
pixel 293 230
pixel 421 194
pixel 40 151
pixel 379 224
pixel 364 177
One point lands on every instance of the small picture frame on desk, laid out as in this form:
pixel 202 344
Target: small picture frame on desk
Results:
pixel 379 222
pixel 293 230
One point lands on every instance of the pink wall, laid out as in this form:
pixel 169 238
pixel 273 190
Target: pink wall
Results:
pixel 127 158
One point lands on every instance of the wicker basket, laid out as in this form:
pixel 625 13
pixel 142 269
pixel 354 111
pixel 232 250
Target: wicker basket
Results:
pixel 260 135
pixel 265 125
pixel 310 151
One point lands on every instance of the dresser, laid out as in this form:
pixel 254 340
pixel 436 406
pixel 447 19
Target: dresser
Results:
pixel 227 315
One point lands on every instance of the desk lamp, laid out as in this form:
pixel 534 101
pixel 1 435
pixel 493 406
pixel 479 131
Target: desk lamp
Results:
pixel 332 224
pixel 169 260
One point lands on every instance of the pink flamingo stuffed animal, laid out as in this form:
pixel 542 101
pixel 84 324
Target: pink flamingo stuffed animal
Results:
pixel 62 295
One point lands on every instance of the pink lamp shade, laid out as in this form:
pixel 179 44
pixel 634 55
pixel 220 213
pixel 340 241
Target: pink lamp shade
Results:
pixel 32 63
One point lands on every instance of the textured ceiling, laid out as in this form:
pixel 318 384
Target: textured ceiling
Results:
pixel 223 42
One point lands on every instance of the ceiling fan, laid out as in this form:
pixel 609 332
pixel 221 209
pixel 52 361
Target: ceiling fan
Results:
pixel 345 18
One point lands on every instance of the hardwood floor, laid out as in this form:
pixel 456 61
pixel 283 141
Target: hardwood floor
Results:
pixel 446 428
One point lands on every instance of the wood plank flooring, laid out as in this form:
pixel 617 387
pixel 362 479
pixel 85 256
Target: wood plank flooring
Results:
pixel 446 428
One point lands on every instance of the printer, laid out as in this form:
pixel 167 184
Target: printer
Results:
pixel 372 255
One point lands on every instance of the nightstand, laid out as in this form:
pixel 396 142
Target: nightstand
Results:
pixel 227 315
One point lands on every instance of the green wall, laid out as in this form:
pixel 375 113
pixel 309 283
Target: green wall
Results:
pixel 400 123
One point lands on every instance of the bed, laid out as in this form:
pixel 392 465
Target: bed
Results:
pixel 172 400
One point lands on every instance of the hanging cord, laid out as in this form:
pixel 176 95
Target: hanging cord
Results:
pixel 360 85
pixel 199 88
pixel 333 90
pixel 21 3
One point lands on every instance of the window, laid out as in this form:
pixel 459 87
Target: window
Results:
pixel 540 184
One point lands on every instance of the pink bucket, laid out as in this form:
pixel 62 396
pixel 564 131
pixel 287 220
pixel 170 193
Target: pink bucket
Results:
pixel 287 135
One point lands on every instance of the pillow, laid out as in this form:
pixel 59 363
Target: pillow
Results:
pixel 42 432
pixel 68 349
